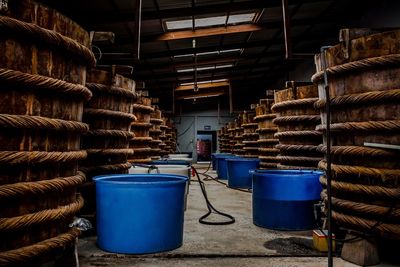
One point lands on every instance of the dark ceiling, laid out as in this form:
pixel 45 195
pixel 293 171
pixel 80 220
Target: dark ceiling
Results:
pixel 251 56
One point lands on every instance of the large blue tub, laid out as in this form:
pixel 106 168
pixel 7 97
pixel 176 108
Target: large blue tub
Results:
pixel 214 157
pixel 284 199
pixel 139 214
pixel 238 171
pixel 222 170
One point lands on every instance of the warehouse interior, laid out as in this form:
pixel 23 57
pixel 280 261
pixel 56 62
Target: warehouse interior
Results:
pixel 199 132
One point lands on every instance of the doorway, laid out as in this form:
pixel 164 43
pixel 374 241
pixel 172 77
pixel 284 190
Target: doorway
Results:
pixel 205 145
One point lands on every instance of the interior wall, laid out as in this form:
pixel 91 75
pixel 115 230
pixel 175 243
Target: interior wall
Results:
pixel 189 123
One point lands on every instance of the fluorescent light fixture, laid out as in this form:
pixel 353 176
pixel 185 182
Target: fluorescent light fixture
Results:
pixel 226 51
pixel 202 82
pixel 205 68
pixel 201 96
pixel 210 21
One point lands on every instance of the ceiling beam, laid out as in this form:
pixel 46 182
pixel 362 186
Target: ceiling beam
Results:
pixel 202 86
pixel 204 32
pixel 101 17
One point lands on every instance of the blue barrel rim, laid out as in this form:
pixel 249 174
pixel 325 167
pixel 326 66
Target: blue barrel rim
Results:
pixel 220 154
pixel 108 179
pixel 243 159
pixel 287 172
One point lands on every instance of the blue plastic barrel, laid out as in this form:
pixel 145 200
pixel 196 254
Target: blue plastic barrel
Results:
pixel 214 157
pixel 284 199
pixel 139 214
pixel 238 171
pixel 222 170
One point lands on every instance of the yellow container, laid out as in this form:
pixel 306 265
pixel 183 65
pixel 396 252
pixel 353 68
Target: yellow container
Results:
pixel 320 240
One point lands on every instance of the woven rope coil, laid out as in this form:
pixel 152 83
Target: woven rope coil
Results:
pixel 267 165
pixel 30 31
pixel 249 142
pixel 58 184
pixel 267 130
pixel 367 190
pixel 23 255
pixel 156 121
pixel 296 159
pixel 298 134
pixel 111 151
pixel 109 113
pixel 298 148
pixel 268 150
pixel 106 168
pixel 363 126
pixel 139 107
pixel 292 104
pixel 359 65
pixel 362 98
pixel 101 88
pixel 384 175
pixel 264 117
pixel 37 122
pixel 268 141
pixel 35 157
pixel 297 119
pixel 251 148
pixel 41 217
pixel 389 230
pixel 269 158
pixel 250 135
pixel 146 160
pixel 39 82
pixel 111 133
pixel 249 125
pixel 141 139
pixel 359 151
pixel 141 150
pixel 368 209
pixel 144 125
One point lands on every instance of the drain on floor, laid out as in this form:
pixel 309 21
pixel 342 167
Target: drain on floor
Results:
pixel 292 246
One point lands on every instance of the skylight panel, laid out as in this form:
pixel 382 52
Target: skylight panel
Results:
pixel 179 24
pixel 205 68
pixel 210 21
pixel 241 18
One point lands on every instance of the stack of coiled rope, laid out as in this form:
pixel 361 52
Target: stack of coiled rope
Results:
pixel 365 108
pixel 155 132
pixel 267 152
pixel 250 134
pixel 238 138
pixel 42 92
pixel 109 119
pixel 296 120
pixel 140 143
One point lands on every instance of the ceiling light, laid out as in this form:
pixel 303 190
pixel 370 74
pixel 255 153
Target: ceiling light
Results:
pixel 216 52
pixel 202 96
pixel 202 82
pixel 205 68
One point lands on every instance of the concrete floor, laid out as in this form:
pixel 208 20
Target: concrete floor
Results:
pixel 238 244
